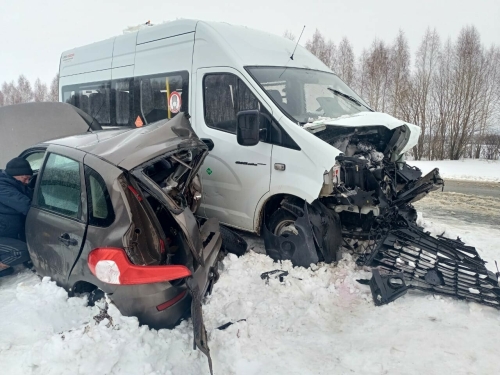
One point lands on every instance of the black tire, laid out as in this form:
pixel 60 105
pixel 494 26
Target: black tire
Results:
pixel 232 242
pixel 95 296
pixel 278 221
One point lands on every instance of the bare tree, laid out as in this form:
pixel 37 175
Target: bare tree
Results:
pixel 11 93
pixel 491 146
pixel 289 35
pixel 40 92
pixel 2 99
pixel 54 89
pixel 417 105
pixel 323 50
pixel 399 72
pixel 345 61
pixel 375 78
pixel 24 88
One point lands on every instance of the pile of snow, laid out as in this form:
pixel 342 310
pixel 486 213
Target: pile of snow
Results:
pixel 467 169
pixel 318 320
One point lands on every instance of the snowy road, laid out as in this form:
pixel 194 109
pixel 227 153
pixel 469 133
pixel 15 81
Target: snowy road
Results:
pixel 318 321
pixel 475 203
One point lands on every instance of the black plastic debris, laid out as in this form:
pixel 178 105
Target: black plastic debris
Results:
pixel 386 288
pixel 275 274
pixel 228 324
pixel 232 242
pixel 436 265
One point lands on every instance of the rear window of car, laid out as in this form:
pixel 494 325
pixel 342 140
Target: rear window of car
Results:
pixel 60 186
pixel 100 208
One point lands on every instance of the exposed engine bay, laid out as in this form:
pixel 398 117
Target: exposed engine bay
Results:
pixel 366 200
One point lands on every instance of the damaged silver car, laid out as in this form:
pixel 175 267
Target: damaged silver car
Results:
pixel 112 213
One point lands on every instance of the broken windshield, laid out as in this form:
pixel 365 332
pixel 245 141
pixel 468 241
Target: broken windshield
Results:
pixel 304 95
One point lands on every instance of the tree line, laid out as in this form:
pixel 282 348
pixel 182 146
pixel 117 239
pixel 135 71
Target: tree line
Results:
pixel 23 92
pixel 450 88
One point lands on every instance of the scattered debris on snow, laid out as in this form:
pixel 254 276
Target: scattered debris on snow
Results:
pixel 316 315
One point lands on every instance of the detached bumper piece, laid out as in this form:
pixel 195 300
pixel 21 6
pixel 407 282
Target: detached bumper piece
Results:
pixel 412 259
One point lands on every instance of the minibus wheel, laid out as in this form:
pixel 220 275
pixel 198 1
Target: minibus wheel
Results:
pixel 282 223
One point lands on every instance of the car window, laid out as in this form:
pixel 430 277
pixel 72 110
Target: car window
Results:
pixel 225 96
pixel 100 208
pixel 35 159
pixel 60 186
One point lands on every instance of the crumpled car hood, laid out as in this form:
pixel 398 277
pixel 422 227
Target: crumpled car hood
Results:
pixel 367 119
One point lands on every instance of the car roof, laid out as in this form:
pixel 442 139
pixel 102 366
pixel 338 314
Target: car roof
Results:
pixel 128 148
pixel 23 125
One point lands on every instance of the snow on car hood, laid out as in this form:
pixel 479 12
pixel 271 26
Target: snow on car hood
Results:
pixel 367 119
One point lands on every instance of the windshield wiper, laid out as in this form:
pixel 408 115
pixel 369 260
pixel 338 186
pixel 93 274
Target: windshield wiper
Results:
pixel 349 97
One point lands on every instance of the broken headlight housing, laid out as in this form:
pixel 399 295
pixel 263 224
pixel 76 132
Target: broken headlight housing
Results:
pixel 331 178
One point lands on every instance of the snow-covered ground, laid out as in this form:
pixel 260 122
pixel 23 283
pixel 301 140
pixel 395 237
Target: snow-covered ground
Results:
pixel 317 321
pixel 468 169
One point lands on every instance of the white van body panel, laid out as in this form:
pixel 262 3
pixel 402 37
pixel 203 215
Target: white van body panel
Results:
pixel 234 177
pixel 94 57
pixel 222 44
pixel 170 54
pixel 123 57
pixel 234 192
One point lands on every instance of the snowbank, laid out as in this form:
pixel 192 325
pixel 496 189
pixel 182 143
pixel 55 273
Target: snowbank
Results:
pixel 317 321
pixel 468 169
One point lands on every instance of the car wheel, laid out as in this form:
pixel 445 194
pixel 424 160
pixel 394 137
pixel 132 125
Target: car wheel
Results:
pixel 95 296
pixel 282 223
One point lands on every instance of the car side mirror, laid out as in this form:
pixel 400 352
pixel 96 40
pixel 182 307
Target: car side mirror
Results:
pixel 247 127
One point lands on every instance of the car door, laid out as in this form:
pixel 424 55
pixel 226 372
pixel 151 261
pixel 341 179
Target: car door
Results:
pixel 56 222
pixel 234 177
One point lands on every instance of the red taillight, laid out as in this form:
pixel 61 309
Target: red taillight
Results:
pixel 112 266
pixel 135 192
pixel 173 301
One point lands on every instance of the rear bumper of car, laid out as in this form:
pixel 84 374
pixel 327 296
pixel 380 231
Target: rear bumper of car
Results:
pixel 145 300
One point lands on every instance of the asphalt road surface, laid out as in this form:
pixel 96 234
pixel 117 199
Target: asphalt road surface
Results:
pixel 469 201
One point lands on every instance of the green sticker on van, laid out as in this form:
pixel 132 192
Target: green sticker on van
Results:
pixel 209 171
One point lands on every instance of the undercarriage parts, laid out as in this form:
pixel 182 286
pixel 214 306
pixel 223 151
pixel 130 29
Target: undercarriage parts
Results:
pixel 316 236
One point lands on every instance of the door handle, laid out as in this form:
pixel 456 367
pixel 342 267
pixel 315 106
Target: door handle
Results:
pixel 67 240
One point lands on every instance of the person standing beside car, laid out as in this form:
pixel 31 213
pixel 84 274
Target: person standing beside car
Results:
pixel 15 201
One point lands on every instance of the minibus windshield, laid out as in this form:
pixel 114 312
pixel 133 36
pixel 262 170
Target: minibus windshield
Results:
pixel 304 95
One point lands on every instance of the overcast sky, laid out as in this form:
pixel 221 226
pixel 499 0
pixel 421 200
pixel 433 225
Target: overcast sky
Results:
pixel 35 32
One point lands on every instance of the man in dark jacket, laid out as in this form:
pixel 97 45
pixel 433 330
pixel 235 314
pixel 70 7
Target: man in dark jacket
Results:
pixel 15 201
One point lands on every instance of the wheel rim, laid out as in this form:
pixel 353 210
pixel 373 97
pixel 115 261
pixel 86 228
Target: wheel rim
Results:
pixel 286 228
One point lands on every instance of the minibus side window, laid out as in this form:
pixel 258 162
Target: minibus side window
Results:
pixel 123 102
pixel 161 96
pixel 92 98
pixel 225 95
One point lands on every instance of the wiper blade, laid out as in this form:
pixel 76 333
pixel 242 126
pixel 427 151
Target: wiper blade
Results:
pixel 349 97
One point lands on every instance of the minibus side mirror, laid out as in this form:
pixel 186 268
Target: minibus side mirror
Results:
pixel 247 127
